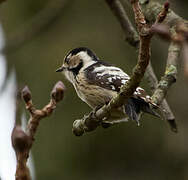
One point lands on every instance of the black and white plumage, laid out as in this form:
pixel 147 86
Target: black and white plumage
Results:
pixel 97 82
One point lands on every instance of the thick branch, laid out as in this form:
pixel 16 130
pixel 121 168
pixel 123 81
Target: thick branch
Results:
pixel 170 74
pixel 94 119
pixel 23 141
pixel 177 35
pixel 151 9
pixel 118 10
pixel 165 109
pixel 178 39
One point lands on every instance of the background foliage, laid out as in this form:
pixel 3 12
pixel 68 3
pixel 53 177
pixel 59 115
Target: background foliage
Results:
pixel 124 151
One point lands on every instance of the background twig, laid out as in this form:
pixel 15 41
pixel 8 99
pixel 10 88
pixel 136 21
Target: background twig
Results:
pixel 170 74
pixel 22 141
pixel 117 9
pixel 131 35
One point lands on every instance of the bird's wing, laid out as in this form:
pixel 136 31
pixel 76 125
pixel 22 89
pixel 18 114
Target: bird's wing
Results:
pixel 112 78
pixel 107 77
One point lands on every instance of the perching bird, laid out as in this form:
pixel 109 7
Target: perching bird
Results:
pixel 97 82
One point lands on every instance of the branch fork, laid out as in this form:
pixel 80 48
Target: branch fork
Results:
pixel 22 141
pixel 96 118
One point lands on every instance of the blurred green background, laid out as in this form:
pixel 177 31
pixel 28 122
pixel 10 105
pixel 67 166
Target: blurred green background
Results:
pixel 125 151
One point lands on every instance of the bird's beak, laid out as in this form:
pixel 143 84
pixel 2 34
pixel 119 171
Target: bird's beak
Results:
pixel 60 69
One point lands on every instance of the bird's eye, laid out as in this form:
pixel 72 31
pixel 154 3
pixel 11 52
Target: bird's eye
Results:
pixel 67 60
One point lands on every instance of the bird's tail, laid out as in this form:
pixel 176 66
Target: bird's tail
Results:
pixel 137 105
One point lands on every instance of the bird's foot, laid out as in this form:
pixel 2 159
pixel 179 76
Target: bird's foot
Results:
pixel 106 123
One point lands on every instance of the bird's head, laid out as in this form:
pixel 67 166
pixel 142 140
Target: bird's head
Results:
pixel 76 60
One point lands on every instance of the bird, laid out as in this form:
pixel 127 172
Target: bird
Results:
pixel 96 82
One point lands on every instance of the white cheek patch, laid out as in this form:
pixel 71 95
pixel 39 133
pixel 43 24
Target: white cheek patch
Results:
pixel 87 60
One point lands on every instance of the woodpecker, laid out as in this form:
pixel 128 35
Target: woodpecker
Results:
pixel 97 82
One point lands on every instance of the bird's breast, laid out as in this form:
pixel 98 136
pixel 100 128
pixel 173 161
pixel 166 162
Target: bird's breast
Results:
pixel 93 95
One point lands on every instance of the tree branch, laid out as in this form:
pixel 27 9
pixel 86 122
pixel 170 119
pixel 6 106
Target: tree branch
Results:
pixel 162 15
pixel 23 141
pixel 95 118
pixel 131 35
pixel 117 9
pixel 159 14
pixel 165 109
pixel 152 8
pixel 170 74
pixel 178 36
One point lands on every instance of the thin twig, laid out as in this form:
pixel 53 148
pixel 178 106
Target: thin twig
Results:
pixel 23 141
pixel 152 8
pixel 131 35
pixel 127 26
pixel 162 15
pixel 166 81
pixel 178 39
pixel 165 109
pixel 170 74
